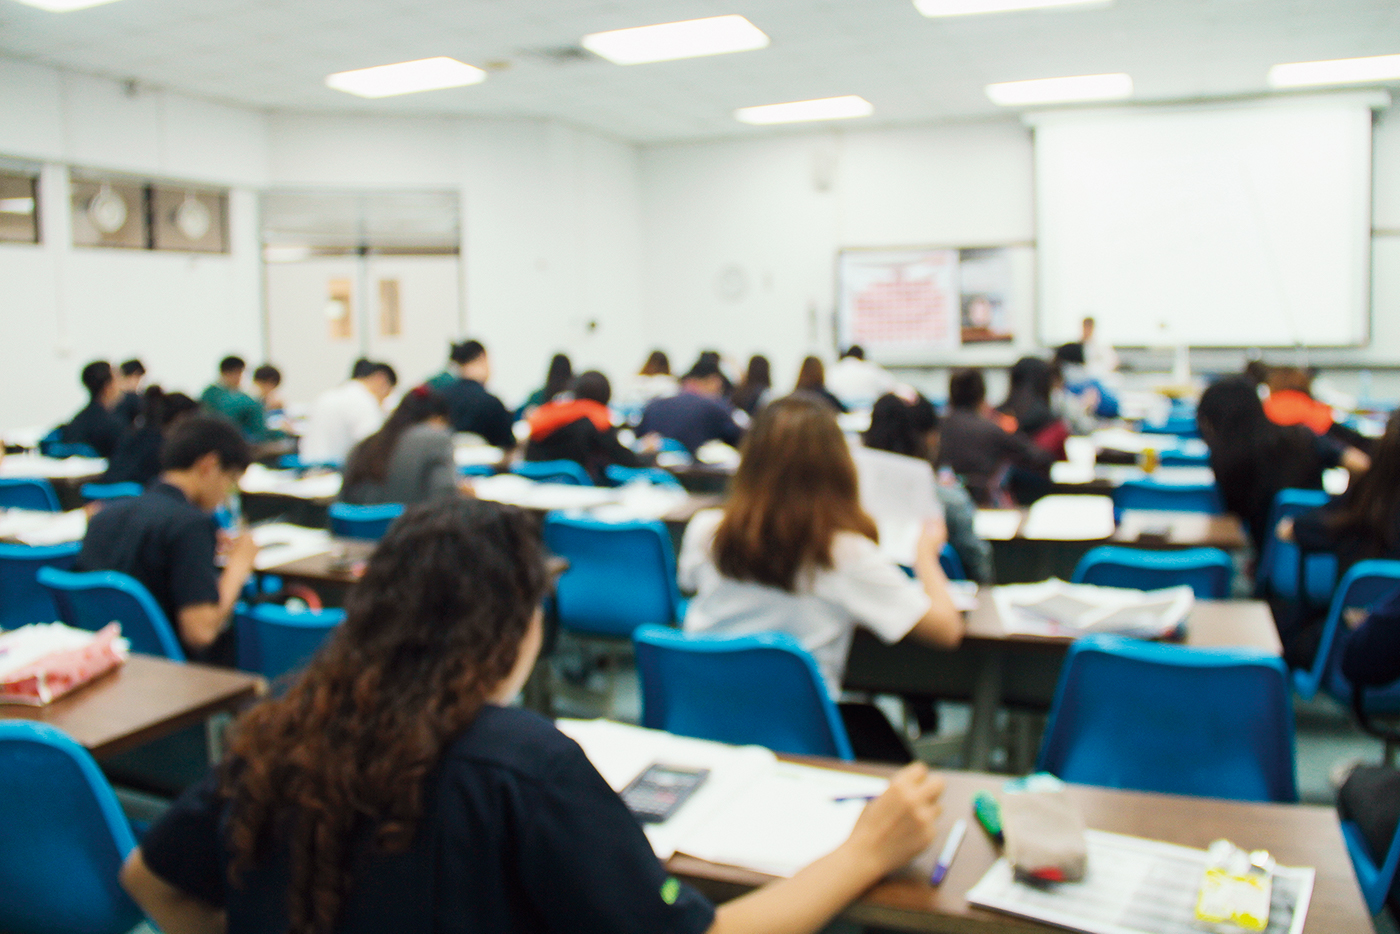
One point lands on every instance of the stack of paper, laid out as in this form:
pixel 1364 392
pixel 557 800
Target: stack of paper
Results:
pixel 36 527
pixel 527 494
pixel 1069 518
pixel 281 543
pixel 1056 608
pixel 260 479
pixel 51 468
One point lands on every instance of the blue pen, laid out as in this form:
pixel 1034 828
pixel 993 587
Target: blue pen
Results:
pixel 855 798
pixel 950 849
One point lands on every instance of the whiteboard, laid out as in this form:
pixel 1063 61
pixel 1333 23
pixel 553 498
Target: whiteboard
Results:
pixel 1216 225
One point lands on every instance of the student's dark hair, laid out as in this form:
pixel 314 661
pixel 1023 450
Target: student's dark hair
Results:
pixel 267 373
pixel 1073 352
pixel 1370 508
pixel 794 490
pixel 893 428
pixel 160 409
pixel 855 350
pixel 1257 371
pixel 559 376
pixel 197 435
pixel 710 362
pixel 1028 394
pixel 1295 378
pixel 923 414
pixel 467 351
pixel 758 379
pixel 658 364
pixel 387 370
pixel 133 367
pixel 967 389
pixel 812 374
pixel 704 368
pixel 361 368
pixel 593 385
pixel 431 629
pixel 369 460
pixel 96 377
pixel 232 364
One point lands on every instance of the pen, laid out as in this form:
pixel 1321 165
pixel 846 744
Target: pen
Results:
pixel 855 798
pixel 950 849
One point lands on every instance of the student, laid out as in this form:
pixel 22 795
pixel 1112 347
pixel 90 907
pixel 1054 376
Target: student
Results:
pixel 652 382
pixel 96 425
pixel 696 414
pixel 1028 408
pixel 227 398
pixel 856 381
pixel 578 427
pixel 457 354
pixel 266 380
pixel 1253 458
pixel 811 379
pixel 394 788
pixel 1100 359
pixel 1289 401
pixel 409 459
pixel 976 448
pixel 558 379
pixel 342 417
pixel 756 389
pixel 166 538
pixel 911 429
pixel 132 372
pixel 793 551
pixel 473 408
pixel 137 457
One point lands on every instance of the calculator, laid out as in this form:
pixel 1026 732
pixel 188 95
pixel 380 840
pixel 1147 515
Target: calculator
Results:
pixel 655 795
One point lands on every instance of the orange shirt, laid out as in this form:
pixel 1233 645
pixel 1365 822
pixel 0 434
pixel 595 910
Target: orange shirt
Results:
pixel 1291 407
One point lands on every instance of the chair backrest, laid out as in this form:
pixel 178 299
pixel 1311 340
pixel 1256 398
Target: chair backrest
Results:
pixel 618 474
pixel 67 837
pixel 1180 422
pixel 273 640
pixel 621 574
pixel 93 599
pixel 761 689
pixel 28 493
pixel 1362 586
pixel 56 448
pixel 1373 878
pixel 952 564
pixel 560 471
pixel 1281 563
pixel 1168 718
pixel 1174 457
pixel 22 599
pixel 1171 497
pixel 102 491
pixel 367 522
pixel 1207 570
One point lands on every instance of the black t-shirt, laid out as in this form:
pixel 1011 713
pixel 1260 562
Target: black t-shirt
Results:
pixel 473 409
pixel 519 834
pixel 96 427
pixel 690 418
pixel 161 539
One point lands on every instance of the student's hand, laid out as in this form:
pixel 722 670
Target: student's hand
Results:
pixel 649 443
pixel 465 488
pixel 932 538
pixel 1284 531
pixel 898 825
pixel 1356 461
pixel 241 551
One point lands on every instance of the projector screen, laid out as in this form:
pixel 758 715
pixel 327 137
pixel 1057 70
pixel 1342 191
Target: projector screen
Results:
pixel 1232 225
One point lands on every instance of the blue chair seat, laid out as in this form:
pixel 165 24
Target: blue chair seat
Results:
pixel 1207 570
pixel 28 493
pixel 619 475
pixel 22 599
pixel 93 599
pixel 367 522
pixel 559 471
pixel 761 689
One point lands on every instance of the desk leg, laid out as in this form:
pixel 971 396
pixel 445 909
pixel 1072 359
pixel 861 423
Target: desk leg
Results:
pixel 986 700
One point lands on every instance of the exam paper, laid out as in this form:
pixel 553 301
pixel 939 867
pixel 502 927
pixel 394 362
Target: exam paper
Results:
pixel 1069 518
pixel 281 543
pixel 260 479
pixel 527 494
pixel 37 527
pixel 51 468
pixel 997 525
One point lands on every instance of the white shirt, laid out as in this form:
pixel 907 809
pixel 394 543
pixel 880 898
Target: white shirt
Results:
pixel 862 588
pixel 858 383
pixel 1100 358
pixel 340 418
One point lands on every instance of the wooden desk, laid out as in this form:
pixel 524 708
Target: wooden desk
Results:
pixel 993 668
pixel 1297 835
pixel 143 700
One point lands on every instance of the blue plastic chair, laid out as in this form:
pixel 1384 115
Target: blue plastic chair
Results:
pixel 477 470
pixel 619 475
pixel 1172 457
pixel 273 640
pixel 1171 497
pixel 105 491
pixel 22 599
pixel 761 689
pixel 53 445
pixel 1362 586
pixel 1179 423
pixel 952 564
pixel 560 471
pixel 1374 879
pixel 93 599
pixel 1281 563
pixel 621 574
pixel 1208 570
pixel 28 493
pixel 67 837
pixel 1167 718
pixel 367 522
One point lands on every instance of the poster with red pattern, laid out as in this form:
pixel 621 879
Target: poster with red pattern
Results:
pixel 899 300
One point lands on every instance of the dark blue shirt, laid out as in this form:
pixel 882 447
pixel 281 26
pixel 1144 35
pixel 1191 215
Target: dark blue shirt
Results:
pixel 519 835
pixel 472 408
pixel 1372 654
pixel 690 418
pixel 96 427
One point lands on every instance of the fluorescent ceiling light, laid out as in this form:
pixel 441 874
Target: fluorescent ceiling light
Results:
pixel 428 74
pixel 967 7
pixel 666 41
pixel 63 6
pixel 1337 71
pixel 827 108
pixel 1061 90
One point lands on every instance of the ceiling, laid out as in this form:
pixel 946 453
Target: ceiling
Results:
pixel 275 54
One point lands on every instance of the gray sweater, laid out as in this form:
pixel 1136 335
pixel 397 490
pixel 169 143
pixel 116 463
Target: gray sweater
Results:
pixel 421 468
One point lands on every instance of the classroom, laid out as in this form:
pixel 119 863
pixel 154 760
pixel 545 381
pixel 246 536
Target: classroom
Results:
pixel 1137 326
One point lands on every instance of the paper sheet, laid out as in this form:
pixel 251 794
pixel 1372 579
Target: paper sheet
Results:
pixel 1069 518
pixel 527 494
pixel 260 479
pixel 1134 886
pixel 475 455
pixel 1055 608
pixel 281 543
pixel 51 468
pixel 35 527
pixel 638 501
pixel 997 525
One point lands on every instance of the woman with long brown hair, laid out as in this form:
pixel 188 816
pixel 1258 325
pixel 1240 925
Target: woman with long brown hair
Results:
pixel 392 788
pixel 793 551
pixel 811 379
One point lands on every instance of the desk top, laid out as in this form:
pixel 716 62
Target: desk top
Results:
pixel 1145 528
pixel 1297 835
pixel 144 699
pixel 70 469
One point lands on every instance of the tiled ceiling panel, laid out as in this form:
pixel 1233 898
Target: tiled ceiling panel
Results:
pixel 275 54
